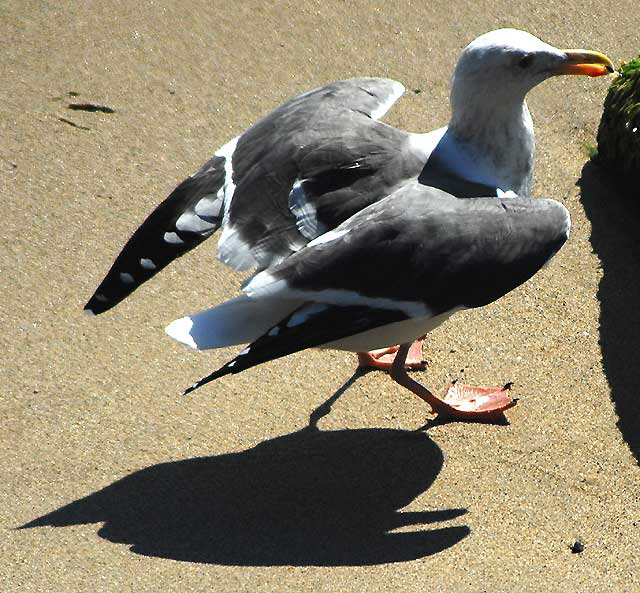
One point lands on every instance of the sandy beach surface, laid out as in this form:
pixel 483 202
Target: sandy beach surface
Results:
pixel 296 476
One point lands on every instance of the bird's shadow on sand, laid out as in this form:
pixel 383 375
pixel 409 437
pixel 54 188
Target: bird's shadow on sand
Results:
pixel 309 498
pixel 614 212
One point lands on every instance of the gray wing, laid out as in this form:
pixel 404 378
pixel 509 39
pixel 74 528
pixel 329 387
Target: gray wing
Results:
pixel 419 247
pixel 326 138
pixel 423 246
pixel 308 166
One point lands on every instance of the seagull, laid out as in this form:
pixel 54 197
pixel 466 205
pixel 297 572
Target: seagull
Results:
pixel 323 156
pixel 389 274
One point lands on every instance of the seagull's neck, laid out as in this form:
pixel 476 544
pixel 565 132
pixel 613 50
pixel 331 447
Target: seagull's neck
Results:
pixel 497 136
pixel 473 109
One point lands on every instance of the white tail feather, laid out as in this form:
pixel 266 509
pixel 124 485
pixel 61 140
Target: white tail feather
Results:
pixel 238 321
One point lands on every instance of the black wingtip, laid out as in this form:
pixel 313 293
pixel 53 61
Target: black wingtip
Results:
pixel 221 372
pixel 97 304
pixel 193 387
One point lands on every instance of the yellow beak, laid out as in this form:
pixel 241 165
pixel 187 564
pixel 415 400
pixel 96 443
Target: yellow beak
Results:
pixel 581 61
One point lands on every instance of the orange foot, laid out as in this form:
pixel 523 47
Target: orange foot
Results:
pixel 384 357
pixel 461 402
pixel 480 404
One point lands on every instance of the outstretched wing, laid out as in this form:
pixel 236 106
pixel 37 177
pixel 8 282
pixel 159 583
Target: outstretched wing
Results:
pixel 191 213
pixel 308 166
pixel 265 185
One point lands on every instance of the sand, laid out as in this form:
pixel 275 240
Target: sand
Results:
pixel 254 484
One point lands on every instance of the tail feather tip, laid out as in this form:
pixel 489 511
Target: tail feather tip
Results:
pixel 180 330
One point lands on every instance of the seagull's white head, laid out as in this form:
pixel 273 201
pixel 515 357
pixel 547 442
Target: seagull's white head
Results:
pixel 503 66
pixel 489 115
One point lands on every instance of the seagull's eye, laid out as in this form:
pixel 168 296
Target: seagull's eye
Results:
pixel 525 61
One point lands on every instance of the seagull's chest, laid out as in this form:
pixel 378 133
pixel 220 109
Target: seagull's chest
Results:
pixel 499 154
pixel 505 155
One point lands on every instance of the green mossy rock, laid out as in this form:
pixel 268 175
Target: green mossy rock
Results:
pixel 619 131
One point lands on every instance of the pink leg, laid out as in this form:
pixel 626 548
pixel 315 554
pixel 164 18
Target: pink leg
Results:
pixel 384 357
pixel 461 402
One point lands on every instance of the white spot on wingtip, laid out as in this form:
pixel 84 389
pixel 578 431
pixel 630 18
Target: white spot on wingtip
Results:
pixel 194 224
pixel 173 238
pixel 89 313
pixel 274 331
pixel 126 277
pixel 209 207
pixel 101 298
pixel 245 351
pixel 232 363
pixel 147 264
